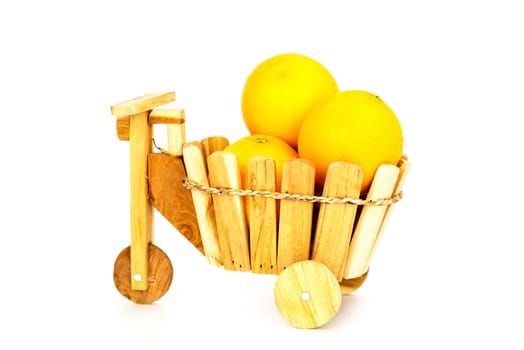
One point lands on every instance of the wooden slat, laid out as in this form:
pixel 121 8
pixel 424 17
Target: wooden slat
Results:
pixel 370 221
pixel 262 216
pixel 205 213
pixel 213 144
pixel 176 137
pixel 295 217
pixel 233 235
pixel 335 221
pixel 404 166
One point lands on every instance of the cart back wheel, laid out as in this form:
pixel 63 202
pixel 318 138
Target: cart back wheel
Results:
pixel 350 285
pixel 160 275
pixel 307 294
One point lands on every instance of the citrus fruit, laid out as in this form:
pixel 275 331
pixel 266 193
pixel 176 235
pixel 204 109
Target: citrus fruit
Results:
pixel 280 90
pixel 261 145
pixel 354 126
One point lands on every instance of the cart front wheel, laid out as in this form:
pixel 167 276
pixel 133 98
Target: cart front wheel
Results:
pixel 160 275
pixel 307 294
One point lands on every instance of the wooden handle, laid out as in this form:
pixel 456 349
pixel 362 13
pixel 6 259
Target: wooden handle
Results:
pixel 335 221
pixel 142 103
pixel 369 222
pixel 295 217
pixel 167 116
pixel 158 116
pixel 262 213
pixel 233 235
pixel 196 171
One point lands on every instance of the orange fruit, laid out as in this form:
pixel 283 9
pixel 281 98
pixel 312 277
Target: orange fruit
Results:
pixel 354 126
pixel 280 90
pixel 261 145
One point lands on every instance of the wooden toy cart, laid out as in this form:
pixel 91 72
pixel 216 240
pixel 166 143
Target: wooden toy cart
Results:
pixel 320 246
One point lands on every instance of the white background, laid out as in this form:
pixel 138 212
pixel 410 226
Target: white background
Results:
pixel 448 272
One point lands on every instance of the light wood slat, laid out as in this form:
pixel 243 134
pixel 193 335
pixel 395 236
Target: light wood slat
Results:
pixel 176 137
pixel 233 235
pixel 404 166
pixel 262 216
pixel 205 213
pixel 369 221
pixel 213 144
pixel 335 221
pixel 295 217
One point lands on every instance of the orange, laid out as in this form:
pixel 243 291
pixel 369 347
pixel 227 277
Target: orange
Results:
pixel 354 126
pixel 280 90
pixel 261 145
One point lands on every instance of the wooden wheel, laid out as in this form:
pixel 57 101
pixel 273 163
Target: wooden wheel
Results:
pixel 350 285
pixel 159 277
pixel 307 294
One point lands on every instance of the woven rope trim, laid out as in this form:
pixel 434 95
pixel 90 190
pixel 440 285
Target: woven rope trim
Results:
pixel 192 185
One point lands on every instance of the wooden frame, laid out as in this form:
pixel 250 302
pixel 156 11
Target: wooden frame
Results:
pixel 321 245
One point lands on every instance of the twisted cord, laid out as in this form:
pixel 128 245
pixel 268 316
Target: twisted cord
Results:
pixel 192 185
